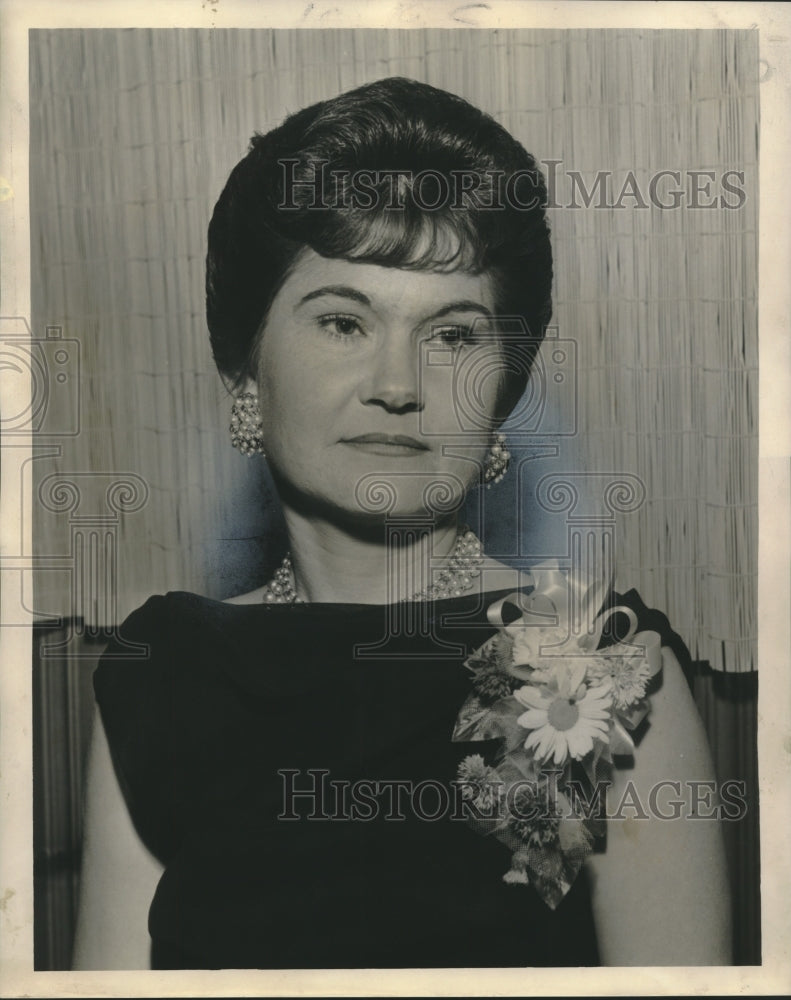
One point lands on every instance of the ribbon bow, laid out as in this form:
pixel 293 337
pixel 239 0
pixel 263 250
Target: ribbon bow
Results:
pixel 562 619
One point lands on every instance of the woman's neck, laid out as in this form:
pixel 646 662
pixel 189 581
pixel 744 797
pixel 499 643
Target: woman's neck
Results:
pixel 335 564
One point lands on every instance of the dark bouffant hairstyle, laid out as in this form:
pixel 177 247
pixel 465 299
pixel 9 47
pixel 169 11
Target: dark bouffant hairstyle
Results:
pixel 324 180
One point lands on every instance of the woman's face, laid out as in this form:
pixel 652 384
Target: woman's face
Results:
pixel 373 375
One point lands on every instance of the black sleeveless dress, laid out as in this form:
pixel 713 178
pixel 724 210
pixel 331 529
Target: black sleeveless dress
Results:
pixel 288 764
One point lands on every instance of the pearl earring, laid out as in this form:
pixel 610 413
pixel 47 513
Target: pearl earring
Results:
pixel 496 463
pixel 246 427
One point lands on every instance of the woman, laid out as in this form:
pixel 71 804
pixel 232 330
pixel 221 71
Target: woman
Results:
pixel 261 774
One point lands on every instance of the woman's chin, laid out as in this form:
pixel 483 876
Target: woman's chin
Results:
pixel 401 510
pixel 409 494
pixel 374 498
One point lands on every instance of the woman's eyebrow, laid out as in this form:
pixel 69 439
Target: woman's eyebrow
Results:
pixel 462 305
pixel 348 292
pixel 344 291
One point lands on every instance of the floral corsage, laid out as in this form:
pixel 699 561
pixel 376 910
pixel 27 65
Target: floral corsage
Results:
pixel 561 708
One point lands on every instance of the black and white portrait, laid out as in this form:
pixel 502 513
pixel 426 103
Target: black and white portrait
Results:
pixel 385 504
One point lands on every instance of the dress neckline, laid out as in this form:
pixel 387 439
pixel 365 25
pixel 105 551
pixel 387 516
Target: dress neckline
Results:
pixel 319 608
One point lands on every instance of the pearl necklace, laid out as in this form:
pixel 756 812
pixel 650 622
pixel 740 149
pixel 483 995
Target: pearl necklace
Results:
pixel 464 564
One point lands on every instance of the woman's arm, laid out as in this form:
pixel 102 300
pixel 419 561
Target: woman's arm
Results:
pixel 660 890
pixel 119 874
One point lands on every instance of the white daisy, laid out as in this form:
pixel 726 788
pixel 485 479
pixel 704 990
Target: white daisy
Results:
pixel 566 715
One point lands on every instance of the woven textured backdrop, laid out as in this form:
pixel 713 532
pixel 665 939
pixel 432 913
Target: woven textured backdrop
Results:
pixel 133 133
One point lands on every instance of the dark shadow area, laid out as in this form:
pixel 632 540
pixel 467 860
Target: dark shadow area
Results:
pixel 728 704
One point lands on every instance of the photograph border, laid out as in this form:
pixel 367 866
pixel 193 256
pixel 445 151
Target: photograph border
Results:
pixel 773 22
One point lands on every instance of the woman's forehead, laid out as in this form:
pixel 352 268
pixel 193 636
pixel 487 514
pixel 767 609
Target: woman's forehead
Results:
pixel 384 289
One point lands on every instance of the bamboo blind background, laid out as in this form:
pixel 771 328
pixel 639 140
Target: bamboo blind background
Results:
pixel 133 133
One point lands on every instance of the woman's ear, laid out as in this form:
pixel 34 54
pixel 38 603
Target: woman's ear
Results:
pixel 248 385
pixel 236 386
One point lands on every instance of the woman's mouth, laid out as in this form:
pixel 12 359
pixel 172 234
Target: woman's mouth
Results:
pixel 386 444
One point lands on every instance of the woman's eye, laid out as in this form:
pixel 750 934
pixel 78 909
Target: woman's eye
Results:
pixel 453 334
pixel 339 326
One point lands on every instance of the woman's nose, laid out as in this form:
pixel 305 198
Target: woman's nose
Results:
pixel 393 378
